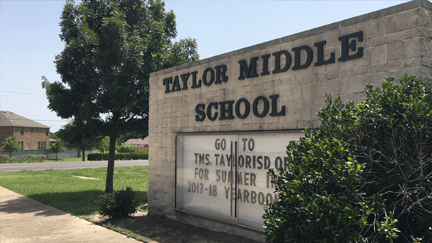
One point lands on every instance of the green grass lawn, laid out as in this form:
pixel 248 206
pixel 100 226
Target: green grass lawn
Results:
pixel 62 189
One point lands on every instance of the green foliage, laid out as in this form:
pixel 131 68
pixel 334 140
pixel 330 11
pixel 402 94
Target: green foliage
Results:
pixel 23 159
pixel 11 145
pixel 29 158
pixel 53 135
pixel 365 175
pixel 111 47
pixel 76 135
pixel 37 158
pixel 126 149
pixel 4 158
pixel 118 204
pixel 319 193
pixel 119 156
pixel 103 144
pixel 393 141
pixel 57 147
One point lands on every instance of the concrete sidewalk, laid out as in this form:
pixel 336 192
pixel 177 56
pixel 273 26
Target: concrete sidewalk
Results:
pixel 25 220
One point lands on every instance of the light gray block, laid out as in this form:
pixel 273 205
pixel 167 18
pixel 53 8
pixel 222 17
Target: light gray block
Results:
pixel 395 41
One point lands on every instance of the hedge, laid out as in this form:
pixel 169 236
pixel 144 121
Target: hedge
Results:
pixel 119 156
pixel 4 158
pixel 22 158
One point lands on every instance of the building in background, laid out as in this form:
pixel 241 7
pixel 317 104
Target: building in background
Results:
pixel 139 145
pixel 30 134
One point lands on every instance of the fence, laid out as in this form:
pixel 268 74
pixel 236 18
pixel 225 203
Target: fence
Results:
pixel 72 153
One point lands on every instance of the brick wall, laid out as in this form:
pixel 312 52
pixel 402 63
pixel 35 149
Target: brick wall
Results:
pixel 141 149
pixel 396 41
pixel 30 136
pixel 5 132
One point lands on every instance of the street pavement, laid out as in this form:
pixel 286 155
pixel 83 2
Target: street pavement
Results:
pixel 24 220
pixel 14 167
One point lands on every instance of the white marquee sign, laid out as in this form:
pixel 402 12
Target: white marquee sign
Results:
pixel 209 165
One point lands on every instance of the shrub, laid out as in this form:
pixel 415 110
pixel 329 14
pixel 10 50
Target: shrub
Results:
pixel 38 158
pixel 4 158
pixel 118 204
pixel 28 158
pixel 318 197
pixel 126 149
pixel 365 175
pixel 34 158
pixel 21 159
pixel 119 156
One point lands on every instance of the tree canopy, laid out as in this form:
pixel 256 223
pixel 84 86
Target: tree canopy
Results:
pixel 79 136
pixel 11 145
pixel 365 175
pixel 57 147
pixel 111 47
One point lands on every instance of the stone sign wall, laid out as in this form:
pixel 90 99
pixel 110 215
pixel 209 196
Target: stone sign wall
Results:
pixel 252 101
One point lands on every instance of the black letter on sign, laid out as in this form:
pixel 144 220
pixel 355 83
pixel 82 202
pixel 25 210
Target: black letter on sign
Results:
pixel 265 65
pixel 185 78
pixel 176 85
pixel 247 108
pixel 209 111
pixel 274 107
pixel 199 109
pixel 221 73
pixel 249 72
pixel 352 45
pixel 166 82
pixel 255 106
pixel 226 112
pixel 194 83
pixel 204 77
pixel 320 54
pixel 277 55
pixel 297 55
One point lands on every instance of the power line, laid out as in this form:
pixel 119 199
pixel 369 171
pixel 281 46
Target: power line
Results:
pixel 34 97
pixel 17 119
pixel 20 92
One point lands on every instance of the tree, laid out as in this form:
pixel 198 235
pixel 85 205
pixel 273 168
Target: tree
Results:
pixel 365 175
pixel 56 148
pixel 111 49
pixel 53 135
pixel 103 144
pixel 78 136
pixel 11 146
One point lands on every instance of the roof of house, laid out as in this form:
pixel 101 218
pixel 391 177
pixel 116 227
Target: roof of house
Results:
pixel 137 141
pixel 10 119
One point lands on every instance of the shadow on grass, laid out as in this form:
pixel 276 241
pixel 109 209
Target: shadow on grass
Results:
pixel 75 203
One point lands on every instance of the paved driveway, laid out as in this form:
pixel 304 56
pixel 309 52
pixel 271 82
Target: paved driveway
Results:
pixel 14 167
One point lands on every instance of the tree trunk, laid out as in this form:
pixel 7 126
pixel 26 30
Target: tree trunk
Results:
pixel 109 188
pixel 83 154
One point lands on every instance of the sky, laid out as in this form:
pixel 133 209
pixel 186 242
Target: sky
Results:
pixel 29 38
